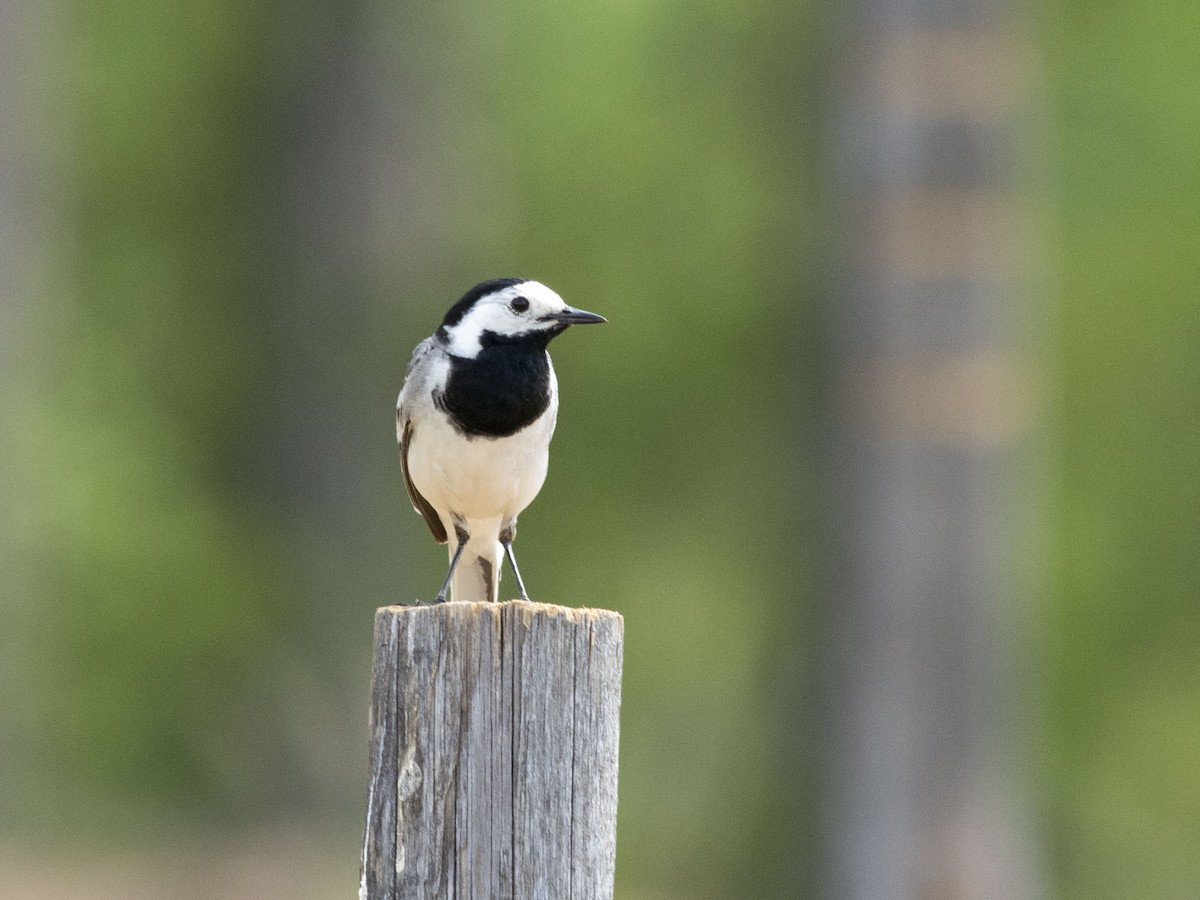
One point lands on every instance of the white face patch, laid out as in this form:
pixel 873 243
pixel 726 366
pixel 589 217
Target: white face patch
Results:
pixel 495 313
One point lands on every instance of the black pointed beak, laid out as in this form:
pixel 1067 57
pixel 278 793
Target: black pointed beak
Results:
pixel 571 316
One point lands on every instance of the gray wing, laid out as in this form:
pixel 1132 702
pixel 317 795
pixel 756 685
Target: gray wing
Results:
pixel 414 383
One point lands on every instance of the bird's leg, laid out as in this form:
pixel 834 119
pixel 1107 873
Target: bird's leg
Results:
pixel 462 535
pixel 506 541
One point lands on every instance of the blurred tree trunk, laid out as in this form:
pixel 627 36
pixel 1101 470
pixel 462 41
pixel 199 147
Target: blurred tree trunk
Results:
pixel 929 401
pixel 324 148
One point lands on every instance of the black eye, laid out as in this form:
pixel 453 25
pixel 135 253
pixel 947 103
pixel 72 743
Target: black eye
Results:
pixel 519 304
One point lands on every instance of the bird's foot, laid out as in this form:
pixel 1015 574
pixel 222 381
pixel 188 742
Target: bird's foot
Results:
pixel 419 602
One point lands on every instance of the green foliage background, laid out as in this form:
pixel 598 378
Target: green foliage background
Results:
pixel 257 210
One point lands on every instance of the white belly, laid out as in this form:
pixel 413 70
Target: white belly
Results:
pixel 480 479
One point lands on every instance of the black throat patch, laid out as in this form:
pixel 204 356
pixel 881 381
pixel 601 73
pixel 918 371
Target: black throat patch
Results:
pixel 503 389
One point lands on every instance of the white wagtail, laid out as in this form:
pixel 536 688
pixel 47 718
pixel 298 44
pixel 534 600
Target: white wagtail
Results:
pixel 474 421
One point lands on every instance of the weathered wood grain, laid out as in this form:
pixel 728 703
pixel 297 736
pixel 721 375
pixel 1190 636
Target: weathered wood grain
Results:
pixel 494 735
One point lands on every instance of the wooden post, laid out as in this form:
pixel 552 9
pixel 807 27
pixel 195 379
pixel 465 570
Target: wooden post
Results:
pixel 494 732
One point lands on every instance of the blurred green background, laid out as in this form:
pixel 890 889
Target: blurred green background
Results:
pixel 224 226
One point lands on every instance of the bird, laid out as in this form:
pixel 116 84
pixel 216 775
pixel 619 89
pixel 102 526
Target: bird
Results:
pixel 474 420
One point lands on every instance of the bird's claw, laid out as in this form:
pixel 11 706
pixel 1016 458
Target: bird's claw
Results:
pixel 419 602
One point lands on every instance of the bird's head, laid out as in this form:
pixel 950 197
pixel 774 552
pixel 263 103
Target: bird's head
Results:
pixel 508 309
